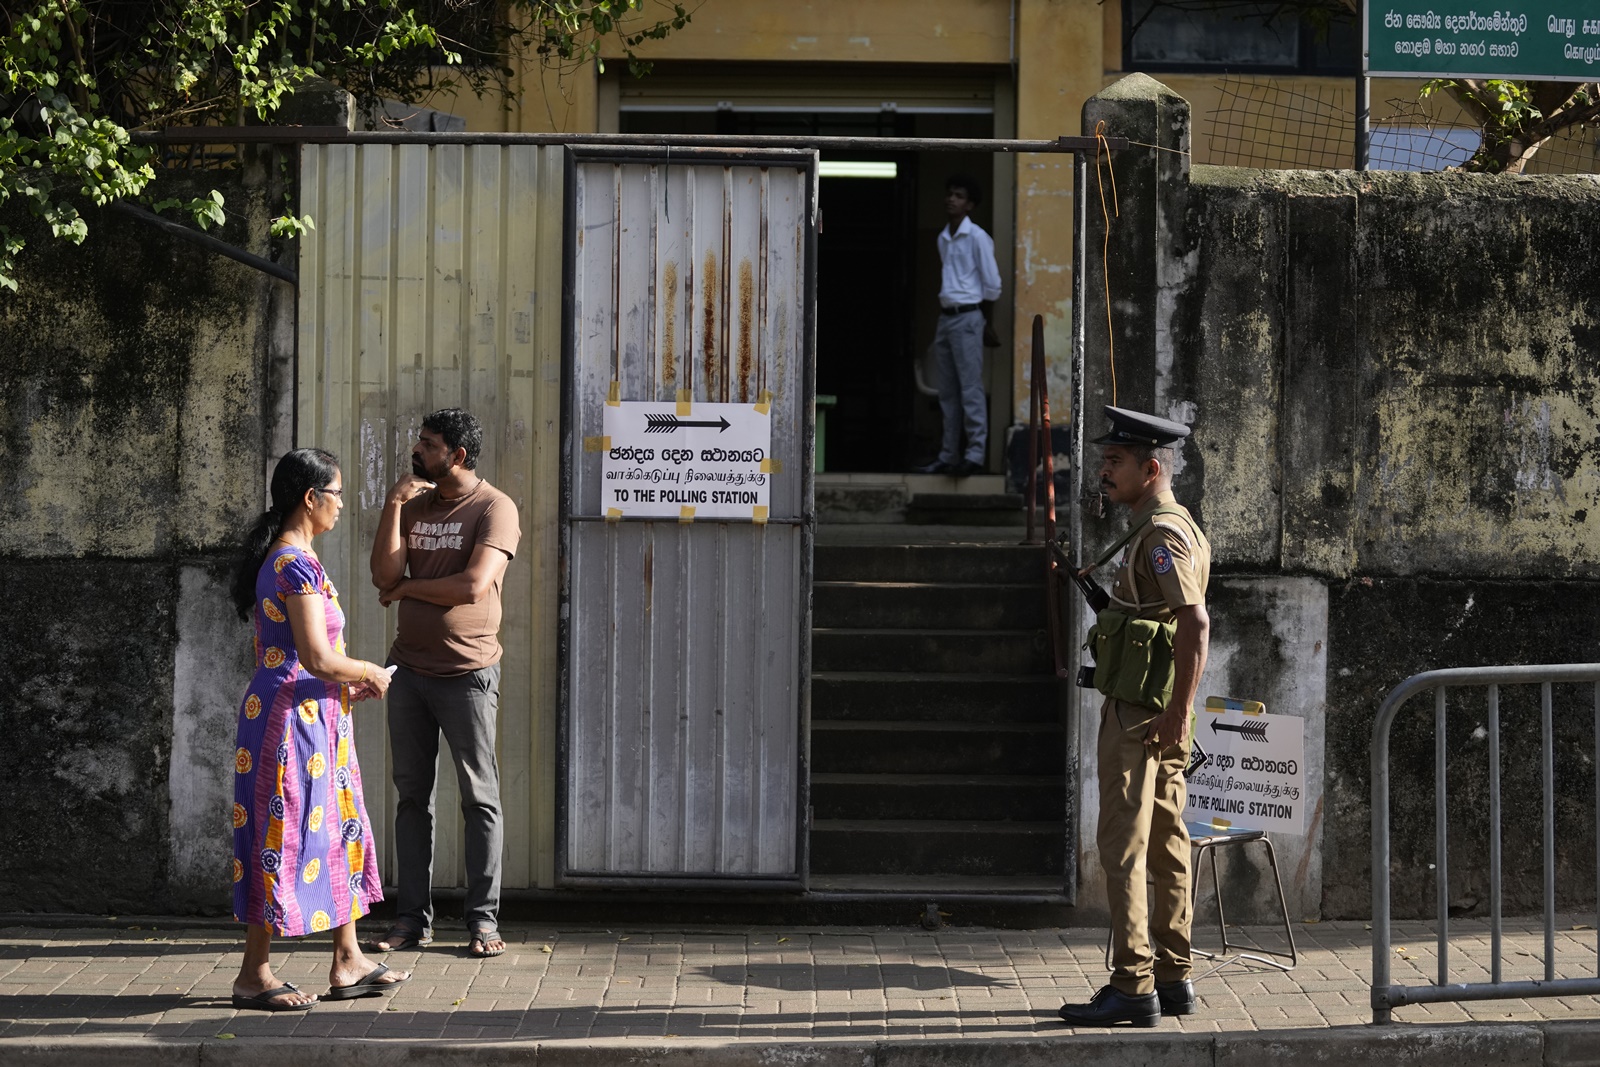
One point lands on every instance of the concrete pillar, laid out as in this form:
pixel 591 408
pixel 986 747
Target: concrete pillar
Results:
pixel 1147 259
pixel 317 102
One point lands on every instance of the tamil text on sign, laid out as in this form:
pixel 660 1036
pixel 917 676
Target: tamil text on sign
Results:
pixel 1530 40
pixel 686 462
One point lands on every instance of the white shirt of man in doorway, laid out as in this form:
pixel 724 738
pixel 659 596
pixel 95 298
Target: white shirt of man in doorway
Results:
pixel 970 274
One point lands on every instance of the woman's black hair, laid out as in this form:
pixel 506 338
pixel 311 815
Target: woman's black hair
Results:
pixel 302 469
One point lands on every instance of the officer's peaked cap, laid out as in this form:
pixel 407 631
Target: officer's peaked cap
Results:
pixel 1136 428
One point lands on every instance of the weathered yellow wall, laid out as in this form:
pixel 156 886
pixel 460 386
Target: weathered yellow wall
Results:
pixel 877 31
pixel 548 102
pixel 1060 63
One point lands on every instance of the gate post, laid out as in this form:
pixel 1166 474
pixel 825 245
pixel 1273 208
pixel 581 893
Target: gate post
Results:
pixel 1144 257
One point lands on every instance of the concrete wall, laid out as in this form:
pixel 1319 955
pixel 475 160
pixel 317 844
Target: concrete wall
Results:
pixel 1393 381
pixel 136 400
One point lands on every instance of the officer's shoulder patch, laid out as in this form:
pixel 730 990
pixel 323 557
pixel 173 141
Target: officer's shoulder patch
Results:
pixel 1161 559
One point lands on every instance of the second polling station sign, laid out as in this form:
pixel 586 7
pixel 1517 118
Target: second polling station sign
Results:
pixel 1522 40
pixel 687 461
pixel 1254 776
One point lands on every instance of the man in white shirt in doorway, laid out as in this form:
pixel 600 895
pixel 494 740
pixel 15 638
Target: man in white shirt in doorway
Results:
pixel 968 286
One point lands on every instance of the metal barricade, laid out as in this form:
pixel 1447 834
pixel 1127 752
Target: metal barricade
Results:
pixel 1387 996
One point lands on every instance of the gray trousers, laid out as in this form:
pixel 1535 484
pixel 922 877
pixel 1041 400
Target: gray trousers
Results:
pixel 958 353
pixel 463 709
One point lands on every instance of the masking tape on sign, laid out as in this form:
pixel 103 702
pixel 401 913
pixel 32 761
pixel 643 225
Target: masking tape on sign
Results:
pixel 764 402
pixel 1219 705
pixel 597 444
pixel 1220 824
pixel 758 514
pixel 614 396
pixel 685 402
pixel 685 513
pixel 613 514
pixel 772 466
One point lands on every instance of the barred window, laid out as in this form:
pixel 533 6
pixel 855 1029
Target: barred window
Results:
pixel 1235 35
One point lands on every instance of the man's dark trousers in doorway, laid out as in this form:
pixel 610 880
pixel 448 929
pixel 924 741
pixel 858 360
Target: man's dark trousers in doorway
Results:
pixel 958 355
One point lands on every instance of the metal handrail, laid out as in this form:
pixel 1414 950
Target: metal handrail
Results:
pixel 1387 996
pixel 1039 423
pixel 1039 439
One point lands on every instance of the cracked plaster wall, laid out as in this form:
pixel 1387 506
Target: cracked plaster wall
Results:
pixel 1393 380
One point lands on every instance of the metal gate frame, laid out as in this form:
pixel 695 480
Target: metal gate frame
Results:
pixel 805 160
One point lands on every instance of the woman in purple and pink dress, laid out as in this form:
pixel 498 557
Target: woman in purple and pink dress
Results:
pixel 303 858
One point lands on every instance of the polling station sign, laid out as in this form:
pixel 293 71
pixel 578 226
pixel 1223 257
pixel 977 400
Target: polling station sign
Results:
pixel 1534 40
pixel 686 461
pixel 1254 776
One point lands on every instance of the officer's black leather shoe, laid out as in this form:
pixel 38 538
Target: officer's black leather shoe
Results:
pixel 1111 1006
pixel 1177 998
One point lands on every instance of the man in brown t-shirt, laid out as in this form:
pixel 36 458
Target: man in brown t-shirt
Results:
pixel 441 552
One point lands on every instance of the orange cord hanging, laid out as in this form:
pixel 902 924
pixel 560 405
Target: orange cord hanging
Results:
pixel 1105 249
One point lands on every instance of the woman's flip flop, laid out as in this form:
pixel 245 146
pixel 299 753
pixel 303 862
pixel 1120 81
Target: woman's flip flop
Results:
pixel 265 1000
pixel 368 985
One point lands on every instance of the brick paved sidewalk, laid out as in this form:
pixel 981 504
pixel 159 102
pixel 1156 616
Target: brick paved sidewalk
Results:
pixel 649 987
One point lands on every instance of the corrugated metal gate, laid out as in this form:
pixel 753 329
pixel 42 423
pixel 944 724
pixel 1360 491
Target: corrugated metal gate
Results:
pixel 431 281
pixel 686 643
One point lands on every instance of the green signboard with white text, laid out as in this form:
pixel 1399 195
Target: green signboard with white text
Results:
pixel 1524 40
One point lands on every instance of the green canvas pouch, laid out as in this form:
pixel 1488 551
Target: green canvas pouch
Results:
pixel 1133 658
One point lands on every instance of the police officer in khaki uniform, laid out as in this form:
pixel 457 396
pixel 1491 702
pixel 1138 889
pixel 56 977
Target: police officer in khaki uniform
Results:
pixel 1162 576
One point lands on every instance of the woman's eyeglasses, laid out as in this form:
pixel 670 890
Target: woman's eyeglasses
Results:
pixel 332 492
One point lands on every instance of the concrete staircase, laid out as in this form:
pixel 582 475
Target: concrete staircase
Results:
pixel 937 750
pixel 922 499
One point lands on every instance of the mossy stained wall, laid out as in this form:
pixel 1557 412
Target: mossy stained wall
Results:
pixel 1396 380
pixel 133 387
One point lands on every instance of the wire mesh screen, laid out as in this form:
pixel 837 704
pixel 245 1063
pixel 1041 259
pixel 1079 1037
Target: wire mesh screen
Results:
pixel 1264 123
pixel 1271 125
pixel 1573 151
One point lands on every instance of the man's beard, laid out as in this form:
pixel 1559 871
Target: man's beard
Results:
pixel 419 469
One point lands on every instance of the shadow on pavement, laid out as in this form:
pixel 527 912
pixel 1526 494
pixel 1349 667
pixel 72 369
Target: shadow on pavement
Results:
pixel 806 976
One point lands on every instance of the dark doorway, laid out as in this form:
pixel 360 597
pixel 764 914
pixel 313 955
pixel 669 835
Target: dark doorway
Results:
pixel 866 260
pixel 877 271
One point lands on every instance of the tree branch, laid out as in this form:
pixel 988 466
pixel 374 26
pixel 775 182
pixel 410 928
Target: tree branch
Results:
pixel 1466 93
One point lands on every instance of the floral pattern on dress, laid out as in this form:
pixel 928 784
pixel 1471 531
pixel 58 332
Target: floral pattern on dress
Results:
pixel 293 870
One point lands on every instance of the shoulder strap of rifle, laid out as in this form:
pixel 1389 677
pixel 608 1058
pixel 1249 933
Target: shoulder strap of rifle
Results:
pixel 1134 529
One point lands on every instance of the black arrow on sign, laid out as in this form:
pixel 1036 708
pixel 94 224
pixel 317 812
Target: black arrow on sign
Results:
pixel 1250 731
pixel 668 423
